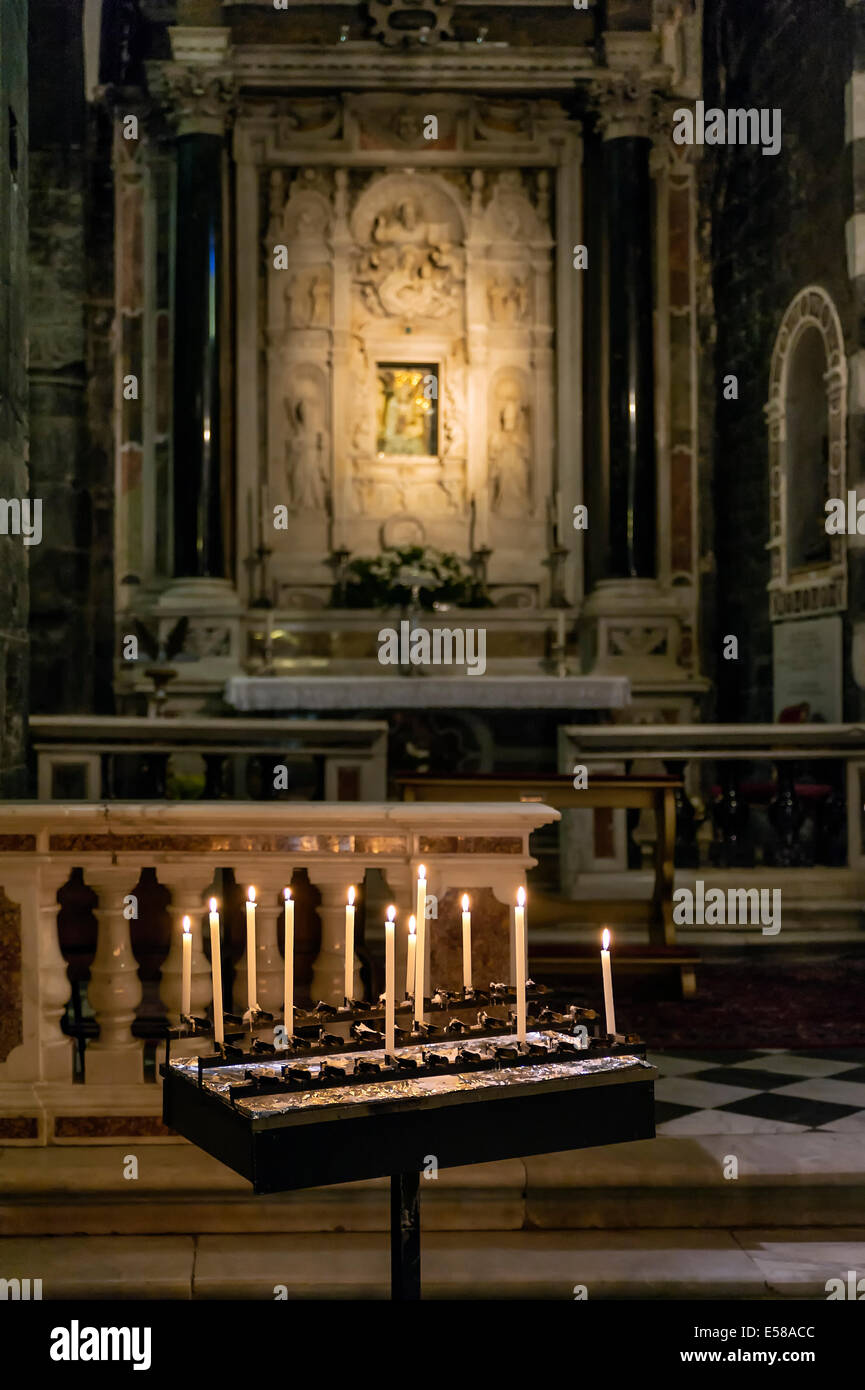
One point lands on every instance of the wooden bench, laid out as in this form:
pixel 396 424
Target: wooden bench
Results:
pixel 656 794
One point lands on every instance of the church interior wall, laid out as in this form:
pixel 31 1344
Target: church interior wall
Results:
pixel 779 225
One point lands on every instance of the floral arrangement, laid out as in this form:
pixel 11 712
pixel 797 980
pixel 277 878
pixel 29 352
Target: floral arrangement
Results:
pixel 405 575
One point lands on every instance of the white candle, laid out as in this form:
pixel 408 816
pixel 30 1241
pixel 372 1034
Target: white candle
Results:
pixel 349 946
pixel 520 936
pixel 560 627
pixel 420 958
pixel 607 973
pixel 410 959
pixel 289 962
pixel 216 973
pixel 467 943
pixel 251 981
pixel 186 971
pixel 389 982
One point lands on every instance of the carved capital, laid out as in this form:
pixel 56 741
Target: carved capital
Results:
pixel 197 99
pixel 625 105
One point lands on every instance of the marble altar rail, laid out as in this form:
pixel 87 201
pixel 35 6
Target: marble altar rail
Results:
pixel 481 849
pixel 788 795
pixel 89 757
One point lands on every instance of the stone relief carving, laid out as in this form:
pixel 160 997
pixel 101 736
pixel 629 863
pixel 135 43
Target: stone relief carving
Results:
pixel 411 261
pixel 510 215
pixel 307 442
pixel 307 299
pixel 508 298
pixel 509 447
pixel 412 268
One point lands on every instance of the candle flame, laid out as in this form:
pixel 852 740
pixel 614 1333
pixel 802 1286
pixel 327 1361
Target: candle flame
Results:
pixel 421 873
pixel 187 925
pixel 521 897
pixel 391 913
pixel 286 893
pixel 465 902
pixel 605 938
pixel 412 926
pixel 351 897
pixel 252 895
pixel 213 904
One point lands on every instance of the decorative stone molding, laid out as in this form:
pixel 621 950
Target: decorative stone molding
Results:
pixel 407 24
pixel 823 588
pixel 365 66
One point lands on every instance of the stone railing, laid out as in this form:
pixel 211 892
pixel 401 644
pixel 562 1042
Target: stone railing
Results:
pixel 785 795
pixel 89 757
pixel 109 863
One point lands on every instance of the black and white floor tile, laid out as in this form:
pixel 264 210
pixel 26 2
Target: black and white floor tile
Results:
pixel 759 1092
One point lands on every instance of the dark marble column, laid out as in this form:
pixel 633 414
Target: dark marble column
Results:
pixel 630 358
pixel 198 523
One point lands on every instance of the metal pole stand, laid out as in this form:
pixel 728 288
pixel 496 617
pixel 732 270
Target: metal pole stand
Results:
pixel 404 1237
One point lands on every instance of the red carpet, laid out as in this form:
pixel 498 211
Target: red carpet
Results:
pixel 765 1004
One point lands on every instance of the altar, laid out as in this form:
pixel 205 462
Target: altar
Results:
pixel 250 693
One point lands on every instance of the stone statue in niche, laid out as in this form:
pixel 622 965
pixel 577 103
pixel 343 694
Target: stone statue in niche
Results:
pixel 509 451
pixel 306 448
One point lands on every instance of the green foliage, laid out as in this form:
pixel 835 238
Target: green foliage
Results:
pixel 387 580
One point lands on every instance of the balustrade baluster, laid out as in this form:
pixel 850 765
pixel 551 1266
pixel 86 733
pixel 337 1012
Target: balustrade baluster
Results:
pixel 786 817
pixel 186 901
pixel 115 988
pixel 56 1049
pixel 269 879
pixel 687 853
pixel 730 816
pixel 328 972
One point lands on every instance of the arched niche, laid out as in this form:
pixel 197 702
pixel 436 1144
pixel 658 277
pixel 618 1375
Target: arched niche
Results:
pixel 806 414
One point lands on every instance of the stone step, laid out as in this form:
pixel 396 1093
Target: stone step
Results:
pixel 784 1180
pixel 675 1264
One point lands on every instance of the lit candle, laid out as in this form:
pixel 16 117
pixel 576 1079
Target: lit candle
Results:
pixel 520 935
pixel 349 946
pixel 251 982
pixel 289 962
pixel 607 973
pixel 186 971
pixel 410 959
pixel 389 982
pixel 467 943
pixel 216 973
pixel 420 959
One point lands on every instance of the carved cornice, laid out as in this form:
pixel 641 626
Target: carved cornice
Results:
pixel 366 67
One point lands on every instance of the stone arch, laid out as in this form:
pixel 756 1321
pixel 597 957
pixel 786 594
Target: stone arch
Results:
pixel 809 337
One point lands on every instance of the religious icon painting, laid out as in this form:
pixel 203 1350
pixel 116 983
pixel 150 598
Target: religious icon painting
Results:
pixel 407 409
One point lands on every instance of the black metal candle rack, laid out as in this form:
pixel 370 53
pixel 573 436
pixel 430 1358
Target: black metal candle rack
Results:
pixel 459 1087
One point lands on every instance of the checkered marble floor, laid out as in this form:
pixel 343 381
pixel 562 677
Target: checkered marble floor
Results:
pixel 760 1092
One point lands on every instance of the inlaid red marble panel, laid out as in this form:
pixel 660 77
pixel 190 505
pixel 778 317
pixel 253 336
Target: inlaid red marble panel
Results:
pixel 11 1011
pixel 97 843
pixel 19 1127
pixel 491 951
pixel 470 844
pixel 111 1127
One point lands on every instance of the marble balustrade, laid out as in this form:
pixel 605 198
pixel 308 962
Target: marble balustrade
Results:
pixel 480 849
